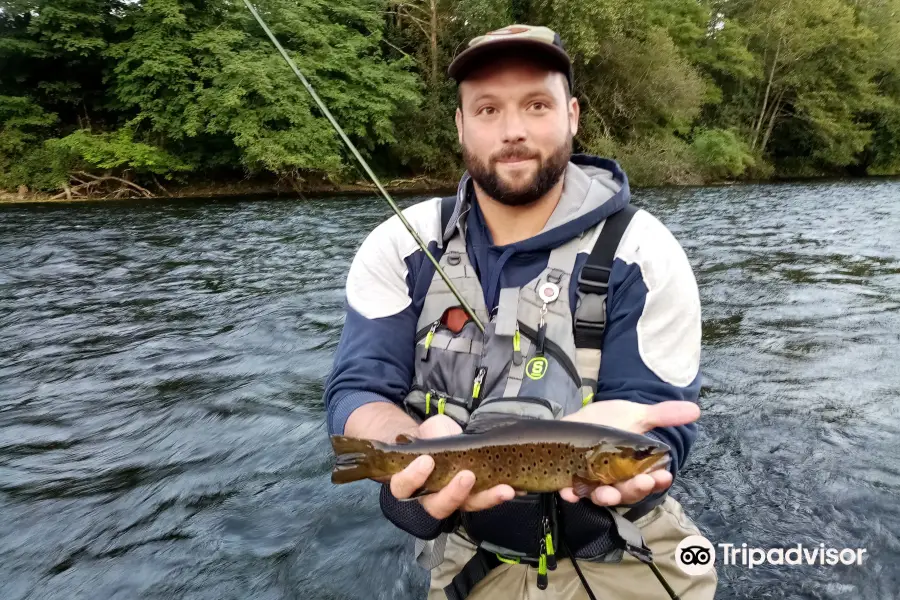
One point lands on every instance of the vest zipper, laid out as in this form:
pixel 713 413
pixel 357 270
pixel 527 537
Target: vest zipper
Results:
pixel 476 387
pixel 555 351
pixel 429 337
pixel 442 400
pixel 526 399
pixel 517 347
pixel 435 325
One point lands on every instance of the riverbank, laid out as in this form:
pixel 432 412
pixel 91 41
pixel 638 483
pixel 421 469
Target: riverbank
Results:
pixel 246 189
pixel 396 187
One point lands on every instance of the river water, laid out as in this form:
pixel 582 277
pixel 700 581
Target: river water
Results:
pixel 162 366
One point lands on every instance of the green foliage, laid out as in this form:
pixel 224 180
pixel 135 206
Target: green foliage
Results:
pixel 652 160
pixel 680 91
pixel 23 124
pixel 721 154
pixel 83 150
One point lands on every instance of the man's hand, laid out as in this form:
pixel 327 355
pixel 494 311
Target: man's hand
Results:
pixel 456 494
pixel 637 418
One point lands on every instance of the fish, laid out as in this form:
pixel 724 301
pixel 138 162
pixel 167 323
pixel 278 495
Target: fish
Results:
pixel 529 455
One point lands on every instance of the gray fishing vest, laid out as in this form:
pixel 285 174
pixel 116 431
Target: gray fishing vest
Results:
pixel 509 369
pixel 527 362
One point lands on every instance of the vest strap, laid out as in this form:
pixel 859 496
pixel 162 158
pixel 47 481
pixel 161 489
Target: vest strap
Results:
pixel 593 281
pixel 471 574
pixel 448 203
pixel 517 371
pixel 484 561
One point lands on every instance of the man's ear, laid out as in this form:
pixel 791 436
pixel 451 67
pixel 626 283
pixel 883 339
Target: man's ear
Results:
pixel 574 114
pixel 459 124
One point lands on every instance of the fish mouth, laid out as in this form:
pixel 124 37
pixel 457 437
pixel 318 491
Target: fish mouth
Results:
pixel 653 458
pixel 659 461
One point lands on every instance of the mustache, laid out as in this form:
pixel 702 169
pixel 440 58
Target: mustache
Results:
pixel 515 152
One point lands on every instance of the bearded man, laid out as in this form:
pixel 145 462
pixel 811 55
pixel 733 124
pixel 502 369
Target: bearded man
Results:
pixel 561 269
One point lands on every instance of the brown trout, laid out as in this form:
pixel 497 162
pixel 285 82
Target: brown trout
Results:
pixel 528 455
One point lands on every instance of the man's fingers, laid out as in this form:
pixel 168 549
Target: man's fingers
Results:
pixel 406 482
pixel 635 489
pixel 444 503
pixel 606 495
pixel 568 494
pixel 670 413
pixel 489 498
pixel 663 480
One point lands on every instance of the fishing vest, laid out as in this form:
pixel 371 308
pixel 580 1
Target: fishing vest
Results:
pixel 527 362
pixel 534 360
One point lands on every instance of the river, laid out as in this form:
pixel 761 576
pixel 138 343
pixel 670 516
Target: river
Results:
pixel 162 367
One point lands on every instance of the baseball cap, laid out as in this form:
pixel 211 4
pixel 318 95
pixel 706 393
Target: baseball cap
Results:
pixel 522 39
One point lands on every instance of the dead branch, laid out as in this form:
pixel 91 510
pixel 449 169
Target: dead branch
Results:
pixel 96 182
pixel 159 185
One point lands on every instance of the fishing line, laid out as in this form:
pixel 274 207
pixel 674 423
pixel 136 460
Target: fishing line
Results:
pixel 365 166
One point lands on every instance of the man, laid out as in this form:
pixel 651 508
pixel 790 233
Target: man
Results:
pixel 522 226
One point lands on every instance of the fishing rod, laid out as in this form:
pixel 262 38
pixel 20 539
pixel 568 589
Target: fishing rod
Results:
pixel 365 166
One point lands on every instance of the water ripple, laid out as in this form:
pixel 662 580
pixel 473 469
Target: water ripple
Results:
pixel 162 367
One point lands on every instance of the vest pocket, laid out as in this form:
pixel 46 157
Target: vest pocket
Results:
pixel 518 406
pixel 425 403
pixel 447 362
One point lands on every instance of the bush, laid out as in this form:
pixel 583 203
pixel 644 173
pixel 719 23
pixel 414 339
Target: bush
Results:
pixel 650 161
pixel 721 154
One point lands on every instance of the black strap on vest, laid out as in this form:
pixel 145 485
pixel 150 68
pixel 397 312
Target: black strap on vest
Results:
pixel 447 206
pixel 594 276
pixel 478 567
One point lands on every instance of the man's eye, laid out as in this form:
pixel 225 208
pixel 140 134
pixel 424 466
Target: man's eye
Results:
pixel 539 106
pixel 488 110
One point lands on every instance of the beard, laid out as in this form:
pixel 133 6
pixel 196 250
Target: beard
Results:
pixel 522 192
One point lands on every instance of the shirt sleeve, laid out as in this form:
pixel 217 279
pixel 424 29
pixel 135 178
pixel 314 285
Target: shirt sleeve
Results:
pixel 651 352
pixel 374 360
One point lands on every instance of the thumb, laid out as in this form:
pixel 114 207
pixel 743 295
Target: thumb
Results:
pixel 669 414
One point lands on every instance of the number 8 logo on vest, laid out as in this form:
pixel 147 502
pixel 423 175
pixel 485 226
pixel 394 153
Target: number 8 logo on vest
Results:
pixel 536 368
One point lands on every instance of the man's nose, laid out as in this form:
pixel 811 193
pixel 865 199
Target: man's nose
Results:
pixel 513 127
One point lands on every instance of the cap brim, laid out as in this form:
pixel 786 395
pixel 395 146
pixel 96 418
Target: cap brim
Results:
pixel 478 56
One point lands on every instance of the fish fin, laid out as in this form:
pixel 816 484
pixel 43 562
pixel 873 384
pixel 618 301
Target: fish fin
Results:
pixel 355 460
pixel 485 422
pixel 405 439
pixel 583 488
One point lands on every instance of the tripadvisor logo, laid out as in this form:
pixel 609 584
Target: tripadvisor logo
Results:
pixel 696 555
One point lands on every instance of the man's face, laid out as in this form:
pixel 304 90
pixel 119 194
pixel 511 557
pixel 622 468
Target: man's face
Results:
pixel 515 126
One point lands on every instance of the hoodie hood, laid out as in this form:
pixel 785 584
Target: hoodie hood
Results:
pixel 594 188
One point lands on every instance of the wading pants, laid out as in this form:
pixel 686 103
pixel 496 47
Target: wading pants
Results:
pixel 663 528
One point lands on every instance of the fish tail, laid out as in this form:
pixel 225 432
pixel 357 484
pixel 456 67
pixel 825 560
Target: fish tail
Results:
pixel 356 459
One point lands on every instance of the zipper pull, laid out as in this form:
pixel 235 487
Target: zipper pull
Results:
pixel 427 402
pixel 542 567
pixel 548 539
pixel 541 336
pixel 479 380
pixel 430 338
pixel 517 346
pixel 548 292
pixel 442 402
